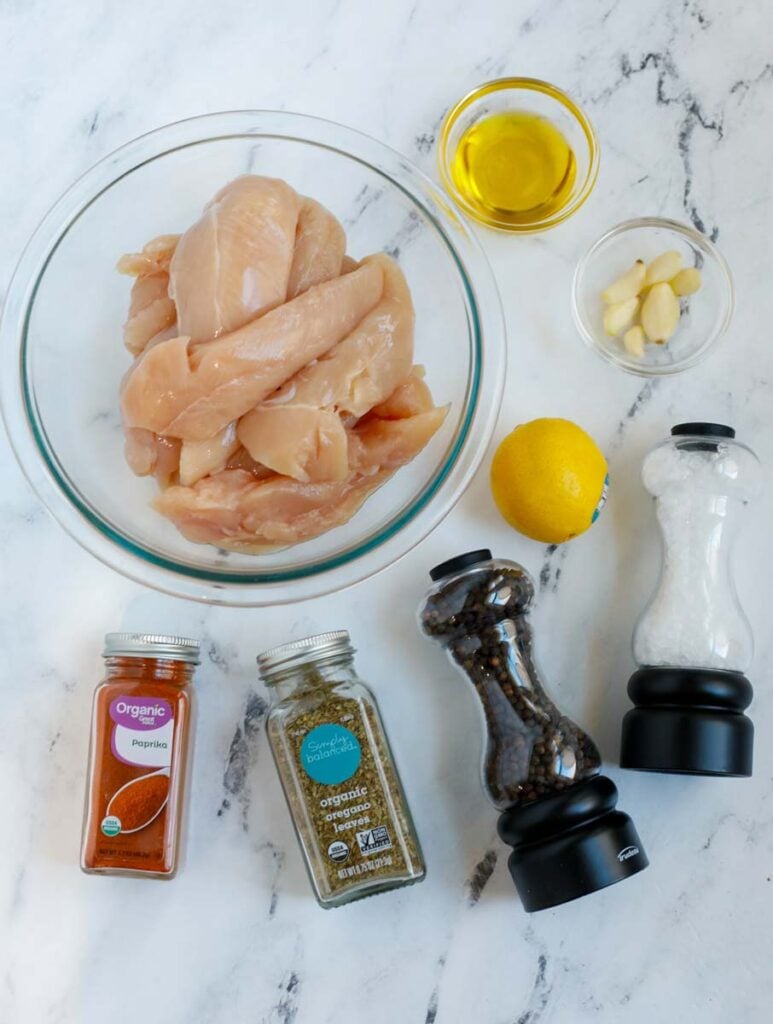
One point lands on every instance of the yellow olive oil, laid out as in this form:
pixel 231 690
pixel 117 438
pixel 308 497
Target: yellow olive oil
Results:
pixel 514 167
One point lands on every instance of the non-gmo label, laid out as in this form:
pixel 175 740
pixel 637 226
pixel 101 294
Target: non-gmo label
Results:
pixel 330 754
pixel 111 825
pixel 374 839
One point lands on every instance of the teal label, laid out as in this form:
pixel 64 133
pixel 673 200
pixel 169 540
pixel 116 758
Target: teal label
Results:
pixel 111 825
pixel 602 500
pixel 330 754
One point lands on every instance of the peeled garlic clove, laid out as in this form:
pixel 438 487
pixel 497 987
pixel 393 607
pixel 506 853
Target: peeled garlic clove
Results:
pixel 619 316
pixel 687 281
pixel 633 340
pixel 663 267
pixel 660 312
pixel 627 286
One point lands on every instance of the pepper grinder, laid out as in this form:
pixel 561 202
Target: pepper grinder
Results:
pixel 540 770
pixel 693 643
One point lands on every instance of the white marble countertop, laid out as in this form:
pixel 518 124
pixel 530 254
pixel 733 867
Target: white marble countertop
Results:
pixel 682 97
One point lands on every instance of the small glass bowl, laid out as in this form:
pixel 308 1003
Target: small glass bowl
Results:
pixel 537 97
pixel 705 315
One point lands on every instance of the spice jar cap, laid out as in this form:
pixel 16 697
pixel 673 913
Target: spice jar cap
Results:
pixel 303 652
pixel 152 645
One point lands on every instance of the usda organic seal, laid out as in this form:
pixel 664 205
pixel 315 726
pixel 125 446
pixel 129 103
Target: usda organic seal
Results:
pixel 111 825
pixel 338 851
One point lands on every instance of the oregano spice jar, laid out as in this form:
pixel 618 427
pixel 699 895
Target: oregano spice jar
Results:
pixel 339 779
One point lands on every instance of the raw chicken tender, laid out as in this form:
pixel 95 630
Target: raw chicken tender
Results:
pixel 200 458
pixel 320 245
pixel 194 392
pixel 149 454
pixel 298 431
pixel 299 441
pixel 151 311
pixel 272 389
pixel 155 256
pixel 241 459
pixel 234 263
pixel 152 314
pixel 410 398
pixel 319 250
pixel 234 510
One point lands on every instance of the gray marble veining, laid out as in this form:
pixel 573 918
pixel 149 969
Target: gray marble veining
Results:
pixel 681 94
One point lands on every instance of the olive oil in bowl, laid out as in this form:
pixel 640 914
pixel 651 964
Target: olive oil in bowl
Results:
pixel 514 168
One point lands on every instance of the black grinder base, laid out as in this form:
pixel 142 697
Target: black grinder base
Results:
pixel 688 721
pixel 570 844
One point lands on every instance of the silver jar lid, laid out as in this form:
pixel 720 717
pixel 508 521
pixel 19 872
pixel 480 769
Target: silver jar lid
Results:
pixel 151 645
pixel 286 657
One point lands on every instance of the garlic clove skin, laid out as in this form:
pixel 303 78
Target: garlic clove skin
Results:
pixel 634 340
pixel 627 286
pixel 619 316
pixel 660 312
pixel 663 268
pixel 687 281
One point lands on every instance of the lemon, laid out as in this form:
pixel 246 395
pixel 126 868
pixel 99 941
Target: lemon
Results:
pixel 549 480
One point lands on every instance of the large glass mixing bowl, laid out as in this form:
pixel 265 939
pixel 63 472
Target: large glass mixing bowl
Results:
pixel 64 359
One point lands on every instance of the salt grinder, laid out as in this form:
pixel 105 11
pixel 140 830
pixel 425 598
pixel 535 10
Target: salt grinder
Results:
pixel 693 643
pixel 540 770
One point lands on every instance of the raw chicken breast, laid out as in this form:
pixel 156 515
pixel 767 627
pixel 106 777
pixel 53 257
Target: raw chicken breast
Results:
pixel 319 249
pixel 151 311
pixel 234 510
pixel 151 314
pixel 233 264
pixel 320 245
pixel 387 444
pixel 146 452
pixel 299 441
pixel 410 398
pixel 150 454
pixel 194 392
pixel 155 256
pixel 298 431
pixel 272 390
pixel 241 459
pixel 200 458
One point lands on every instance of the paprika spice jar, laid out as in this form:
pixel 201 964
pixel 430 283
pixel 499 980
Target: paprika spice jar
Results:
pixel 141 723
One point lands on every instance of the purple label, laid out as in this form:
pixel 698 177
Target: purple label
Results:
pixel 141 712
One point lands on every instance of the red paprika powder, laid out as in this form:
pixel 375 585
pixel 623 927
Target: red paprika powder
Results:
pixel 138 757
pixel 138 802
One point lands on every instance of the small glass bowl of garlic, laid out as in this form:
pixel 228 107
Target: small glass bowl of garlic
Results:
pixel 652 296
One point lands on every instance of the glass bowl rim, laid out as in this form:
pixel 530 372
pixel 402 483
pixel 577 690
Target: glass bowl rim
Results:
pixel 706 246
pixel 518 83
pixel 96 533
